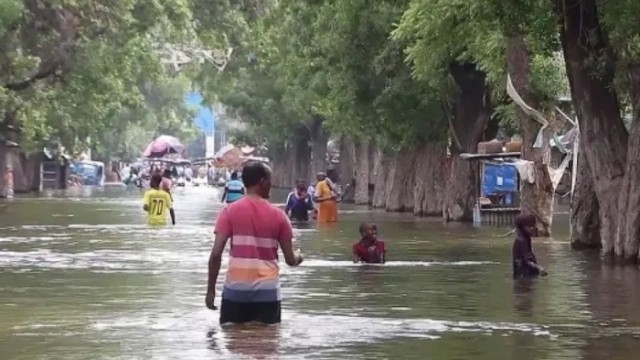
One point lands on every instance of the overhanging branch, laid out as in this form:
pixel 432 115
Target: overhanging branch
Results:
pixel 40 75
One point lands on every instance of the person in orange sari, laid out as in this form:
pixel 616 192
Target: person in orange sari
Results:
pixel 326 198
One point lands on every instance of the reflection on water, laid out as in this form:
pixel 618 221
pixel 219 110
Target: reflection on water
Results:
pixel 523 293
pixel 82 277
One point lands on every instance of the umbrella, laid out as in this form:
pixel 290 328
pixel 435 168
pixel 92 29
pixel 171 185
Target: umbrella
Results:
pixel 163 145
pixel 229 155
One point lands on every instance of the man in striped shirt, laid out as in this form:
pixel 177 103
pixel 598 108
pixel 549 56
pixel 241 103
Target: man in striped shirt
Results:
pixel 251 291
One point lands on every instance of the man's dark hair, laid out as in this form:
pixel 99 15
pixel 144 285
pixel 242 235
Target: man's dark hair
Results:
pixel 155 181
pixel 253 172
pixel 363 227
pixel 234 175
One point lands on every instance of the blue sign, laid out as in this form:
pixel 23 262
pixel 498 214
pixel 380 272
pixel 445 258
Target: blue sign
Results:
pixel 205 119
pixel 499 179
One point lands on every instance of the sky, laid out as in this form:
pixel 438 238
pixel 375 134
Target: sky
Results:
pixel 205 118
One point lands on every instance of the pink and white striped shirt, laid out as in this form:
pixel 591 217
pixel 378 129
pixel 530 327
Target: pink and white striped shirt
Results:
pixel 256 227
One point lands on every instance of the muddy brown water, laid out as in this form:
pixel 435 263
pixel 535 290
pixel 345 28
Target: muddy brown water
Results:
pixel 82 277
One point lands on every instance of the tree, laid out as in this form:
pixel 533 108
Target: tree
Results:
pixel 163 111
pixel 593 60
pixel 69 66
pixel 489 40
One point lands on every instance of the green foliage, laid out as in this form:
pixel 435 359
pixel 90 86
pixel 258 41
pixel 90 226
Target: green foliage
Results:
pixel 332 59
pixel 76 72
pixel 85 72
pixel 439 32
pixel 162 111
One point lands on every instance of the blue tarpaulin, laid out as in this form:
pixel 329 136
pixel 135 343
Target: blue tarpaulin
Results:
pixel 499 179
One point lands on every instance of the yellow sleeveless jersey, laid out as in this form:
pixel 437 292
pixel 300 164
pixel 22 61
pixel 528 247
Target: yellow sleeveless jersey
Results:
pixel 158 203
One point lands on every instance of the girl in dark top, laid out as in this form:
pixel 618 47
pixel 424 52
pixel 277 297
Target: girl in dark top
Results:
pixel 525 264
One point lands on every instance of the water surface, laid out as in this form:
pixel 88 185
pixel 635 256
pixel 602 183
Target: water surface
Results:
pixel 82 277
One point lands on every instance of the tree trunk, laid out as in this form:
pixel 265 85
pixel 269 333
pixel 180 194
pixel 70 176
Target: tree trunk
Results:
pixel 373 150
pixel 282 167
pixel 318 139
pixel 380 176
pixel 467 126
pixel 362 171
pixel 461 189
pixel 429 181
pixel 347 160
pixel 3 161
pixel 347 168
pixel 400 182
pixel 302 156
pixel 293 162
pixel 628 232
pixel 536 198
pixel 585 224
pixel 35 162
pixel 10 155
pixel 602 130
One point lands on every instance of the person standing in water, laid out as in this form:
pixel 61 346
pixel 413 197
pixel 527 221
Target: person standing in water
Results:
pixel 188 174
pixel 525 264
pixel 166 185
pixel 158 203
pixel 326 199
pixel 299 203
pixel 233 189
pixel 369 249
pixel 251 292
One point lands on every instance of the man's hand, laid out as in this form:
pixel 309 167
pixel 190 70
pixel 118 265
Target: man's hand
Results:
pixel 299 258
pixel 543 272
pixel 208 300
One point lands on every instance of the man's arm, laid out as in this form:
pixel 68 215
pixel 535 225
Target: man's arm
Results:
pixel 290 257
pixel 288 206
pixel 215 261
pixel 285 239
pixel 223 233
pixel 540 269
pixel 529 261
pixel 145 202
pixel 171 212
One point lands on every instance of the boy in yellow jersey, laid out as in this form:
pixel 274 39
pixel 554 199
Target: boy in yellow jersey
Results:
pixel 157 203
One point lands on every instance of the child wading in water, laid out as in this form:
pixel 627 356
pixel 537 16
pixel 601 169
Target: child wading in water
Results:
pixel 158 203
pixel 369 249
pixel 299 203
pixel 525 264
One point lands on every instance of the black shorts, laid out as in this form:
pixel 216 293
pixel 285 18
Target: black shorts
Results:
pixel 240 313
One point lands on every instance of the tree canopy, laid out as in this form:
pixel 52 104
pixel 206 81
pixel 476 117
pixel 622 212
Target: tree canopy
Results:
pixel 74 72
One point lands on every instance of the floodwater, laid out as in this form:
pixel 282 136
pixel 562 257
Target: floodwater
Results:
pixel 82 277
